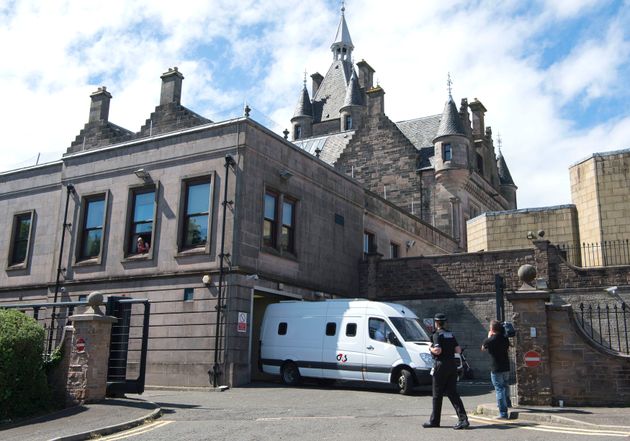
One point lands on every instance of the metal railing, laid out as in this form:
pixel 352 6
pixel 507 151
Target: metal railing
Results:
pixel 606 325
pixel 42 312
pixel 606 253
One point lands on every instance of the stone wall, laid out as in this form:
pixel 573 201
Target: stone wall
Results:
pixel 504 230
pixel 582 372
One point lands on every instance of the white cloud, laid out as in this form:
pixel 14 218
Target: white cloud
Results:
pixel 492 51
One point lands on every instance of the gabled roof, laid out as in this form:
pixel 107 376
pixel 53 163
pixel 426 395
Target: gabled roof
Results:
pixel 97 134
pixel 451 123
pixel 420 131
pixel 330 146
pixel 331 94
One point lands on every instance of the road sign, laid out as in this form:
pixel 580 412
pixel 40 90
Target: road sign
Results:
pixel 80 345
pixel 242 322
pixel 532 358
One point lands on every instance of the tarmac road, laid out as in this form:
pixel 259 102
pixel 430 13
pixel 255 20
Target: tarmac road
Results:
pixel 266 411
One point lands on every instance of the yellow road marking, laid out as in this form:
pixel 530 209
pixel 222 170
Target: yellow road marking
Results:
pixel 340 417
pixel 138 430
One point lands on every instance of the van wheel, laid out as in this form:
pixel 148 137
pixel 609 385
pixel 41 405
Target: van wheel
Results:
pixel 290 374
pixel 405 382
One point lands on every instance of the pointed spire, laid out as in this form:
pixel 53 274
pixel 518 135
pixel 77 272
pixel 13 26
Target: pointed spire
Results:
pixel 353 92
pixel 450 123
pixel 504 172
pixel 304 106
pixel 342 46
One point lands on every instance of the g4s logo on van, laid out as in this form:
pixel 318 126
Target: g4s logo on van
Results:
pixel 342 357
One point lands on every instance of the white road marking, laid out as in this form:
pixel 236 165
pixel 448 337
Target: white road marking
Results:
pixel 551 429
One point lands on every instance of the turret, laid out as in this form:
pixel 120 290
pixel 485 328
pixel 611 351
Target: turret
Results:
pixel 451 145
pixel 302 120
pixel 353 107
pixel 507 186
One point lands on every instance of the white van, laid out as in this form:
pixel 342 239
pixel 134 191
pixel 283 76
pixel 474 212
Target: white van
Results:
pixel 345 340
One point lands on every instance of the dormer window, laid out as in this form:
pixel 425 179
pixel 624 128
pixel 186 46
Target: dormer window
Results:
pixel 447 153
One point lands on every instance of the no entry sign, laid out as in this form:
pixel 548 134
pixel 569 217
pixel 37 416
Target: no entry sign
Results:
pixel 532 358
pixel 80 345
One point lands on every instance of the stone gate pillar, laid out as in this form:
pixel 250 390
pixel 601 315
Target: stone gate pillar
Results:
pixel 89 353
pixel 530 320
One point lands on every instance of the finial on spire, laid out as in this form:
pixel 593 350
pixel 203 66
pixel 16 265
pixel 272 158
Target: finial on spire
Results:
pixel 305 73
pixel 343 6
pixel 449 85
pixel 499 142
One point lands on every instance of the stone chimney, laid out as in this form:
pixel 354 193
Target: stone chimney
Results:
pixel 317 81
pixel 366 75
pixel 99 109
pixel 171 87
pixel 376 101
pixel 478 113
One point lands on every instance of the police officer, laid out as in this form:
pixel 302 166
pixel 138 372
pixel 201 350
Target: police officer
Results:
pixel 443 349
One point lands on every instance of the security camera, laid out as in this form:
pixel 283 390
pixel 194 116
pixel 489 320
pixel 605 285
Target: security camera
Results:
pixel 410 243
pixel 611 290
pixel 63 289
pixel 252 277
pixel 206 279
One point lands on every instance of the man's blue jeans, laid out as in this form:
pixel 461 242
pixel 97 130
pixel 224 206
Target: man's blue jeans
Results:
pixel 500 381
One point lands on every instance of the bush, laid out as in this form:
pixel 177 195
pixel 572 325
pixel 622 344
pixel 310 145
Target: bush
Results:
pixel 23 385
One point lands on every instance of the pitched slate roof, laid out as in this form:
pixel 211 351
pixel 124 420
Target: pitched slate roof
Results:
pixel 330 146
pixel 304 106
pixel 420 131
pixel 504 172
pixel 331 94
pixel 353 92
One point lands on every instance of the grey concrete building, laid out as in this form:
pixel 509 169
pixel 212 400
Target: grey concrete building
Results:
pixel 184 212
pixel 442 168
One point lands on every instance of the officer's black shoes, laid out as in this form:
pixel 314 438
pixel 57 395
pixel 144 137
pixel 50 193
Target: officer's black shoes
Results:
pixel 428 425
pixel 463 424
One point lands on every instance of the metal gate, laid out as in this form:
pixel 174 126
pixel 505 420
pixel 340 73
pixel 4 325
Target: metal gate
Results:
pixel 126 333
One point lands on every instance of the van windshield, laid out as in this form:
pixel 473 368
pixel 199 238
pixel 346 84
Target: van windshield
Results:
pixel 409 329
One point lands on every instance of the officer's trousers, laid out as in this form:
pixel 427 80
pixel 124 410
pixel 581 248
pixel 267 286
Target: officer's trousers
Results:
pixel 445 383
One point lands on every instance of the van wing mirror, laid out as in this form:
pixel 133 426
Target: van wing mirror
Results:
pixel 391 338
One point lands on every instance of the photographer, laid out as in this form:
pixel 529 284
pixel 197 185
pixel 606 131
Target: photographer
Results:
pixel 497 345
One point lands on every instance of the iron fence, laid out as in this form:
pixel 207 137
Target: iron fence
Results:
pixel 606 253
pixel 606 325
pixel 46 314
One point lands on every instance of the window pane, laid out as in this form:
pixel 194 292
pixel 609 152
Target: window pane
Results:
pixel 270 206
pixel 196 230
pixel 94 215
pixel 268 233
pixel 23 226
pixel 19 252
pixel 92 243
pixel 351 329
pixel 143 209
pixel 287 213
pixel 198 198
pixel 286 239
pixel 143 228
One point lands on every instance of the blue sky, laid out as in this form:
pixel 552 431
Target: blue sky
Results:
pixel 553 74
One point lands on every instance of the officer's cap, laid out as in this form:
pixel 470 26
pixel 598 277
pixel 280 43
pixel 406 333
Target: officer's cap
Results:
pixel 440 317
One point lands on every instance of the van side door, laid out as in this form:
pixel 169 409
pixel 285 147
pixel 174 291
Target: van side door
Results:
pixel 343 352
pixel 380 355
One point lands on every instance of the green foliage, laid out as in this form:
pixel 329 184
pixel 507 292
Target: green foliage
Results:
pixel 23 385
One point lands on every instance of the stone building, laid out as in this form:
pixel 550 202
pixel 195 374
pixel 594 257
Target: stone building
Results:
pixel 595 223
pixel 185 209
pixel 442 168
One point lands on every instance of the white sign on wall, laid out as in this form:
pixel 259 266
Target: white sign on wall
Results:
pixel 242 322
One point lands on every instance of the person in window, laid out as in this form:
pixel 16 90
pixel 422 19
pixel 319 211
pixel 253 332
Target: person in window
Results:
pixel 143 247
pixel 377 331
